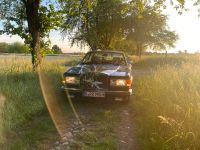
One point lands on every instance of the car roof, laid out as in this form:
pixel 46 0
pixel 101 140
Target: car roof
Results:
pixel 106 51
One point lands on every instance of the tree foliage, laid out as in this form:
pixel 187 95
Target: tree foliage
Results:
pixel 118 24
pixel 100 24
pixel 17 47
pixel 94 23
pixel 3 47
pixel 32 21
pixel 150 30
pixel 56 49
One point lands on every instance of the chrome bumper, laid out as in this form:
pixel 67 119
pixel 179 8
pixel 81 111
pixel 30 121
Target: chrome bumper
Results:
pixel 70 89
pixel 108 93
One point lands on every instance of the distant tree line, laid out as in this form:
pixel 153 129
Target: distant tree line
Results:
pixel 56 49
pixel 18 47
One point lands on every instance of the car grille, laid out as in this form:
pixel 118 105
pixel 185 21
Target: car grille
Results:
pixel 94 81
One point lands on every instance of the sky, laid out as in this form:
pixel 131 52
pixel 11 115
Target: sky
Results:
pixel 187 26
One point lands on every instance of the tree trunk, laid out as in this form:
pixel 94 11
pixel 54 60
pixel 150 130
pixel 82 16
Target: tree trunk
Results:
pixel 166 53
pixel 139 50
pixel 32 8
pixel 33 56
pixel 36 47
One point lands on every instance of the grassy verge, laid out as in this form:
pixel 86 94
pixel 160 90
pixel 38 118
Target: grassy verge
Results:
pixel 167 106
pixel 34 134
pixel 155 61
pixel 24 121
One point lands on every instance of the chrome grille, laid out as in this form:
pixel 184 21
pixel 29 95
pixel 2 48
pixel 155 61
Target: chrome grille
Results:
pixel 94 81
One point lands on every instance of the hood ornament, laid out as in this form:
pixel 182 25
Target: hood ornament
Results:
pixel 90 82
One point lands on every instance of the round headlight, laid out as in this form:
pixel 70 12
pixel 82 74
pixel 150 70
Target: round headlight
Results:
pixel 118 82
pixel 72 80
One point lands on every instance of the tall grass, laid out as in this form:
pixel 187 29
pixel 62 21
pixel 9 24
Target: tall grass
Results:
pixel 168 107
pixel 21 91
pixel 21 98
pixel 154 61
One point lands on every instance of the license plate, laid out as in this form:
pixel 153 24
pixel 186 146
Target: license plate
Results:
pixel 94 94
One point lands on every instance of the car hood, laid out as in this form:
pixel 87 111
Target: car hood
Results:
pixel 110 70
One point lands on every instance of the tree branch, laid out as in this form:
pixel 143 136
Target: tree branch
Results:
pixel 24 1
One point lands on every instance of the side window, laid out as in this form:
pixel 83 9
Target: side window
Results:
pixel 119 59
pixel 96 58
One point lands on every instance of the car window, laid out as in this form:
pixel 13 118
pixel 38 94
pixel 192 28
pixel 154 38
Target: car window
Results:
pixel 104 58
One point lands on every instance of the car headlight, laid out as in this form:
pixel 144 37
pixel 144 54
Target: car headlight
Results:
pixel 120 82
pixel 72 80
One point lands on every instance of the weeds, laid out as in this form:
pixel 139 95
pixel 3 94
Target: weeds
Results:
pixel 168 106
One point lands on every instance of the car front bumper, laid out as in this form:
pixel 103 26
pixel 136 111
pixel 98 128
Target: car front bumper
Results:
pixel 76 91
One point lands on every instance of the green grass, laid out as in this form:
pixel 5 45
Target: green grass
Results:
pixel 22 103
pixel 102 137
pixel 155 61
pixel 24 120
pixel 167 104
pixel 31 134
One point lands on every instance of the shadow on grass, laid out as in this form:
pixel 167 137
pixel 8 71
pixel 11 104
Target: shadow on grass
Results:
pixel 25 121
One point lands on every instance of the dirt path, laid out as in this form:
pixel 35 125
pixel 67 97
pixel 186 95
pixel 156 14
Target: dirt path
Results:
pixel 93 119
pixel 126 128
pixel 94 116
pixel 126 138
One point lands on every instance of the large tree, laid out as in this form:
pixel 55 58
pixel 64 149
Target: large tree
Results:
pixel 95 23
pixel 56 49
pixel 118 24
pixel 150 30
pixel 32 20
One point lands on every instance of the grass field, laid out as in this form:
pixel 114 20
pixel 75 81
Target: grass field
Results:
pixel 167 103
pixel 25 121
pixel 22 103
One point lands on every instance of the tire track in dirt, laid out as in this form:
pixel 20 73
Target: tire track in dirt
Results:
pixel 126 128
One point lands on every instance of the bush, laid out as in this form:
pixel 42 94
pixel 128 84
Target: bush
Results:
pixel 56 49
pixel 3 47
pixel 17 48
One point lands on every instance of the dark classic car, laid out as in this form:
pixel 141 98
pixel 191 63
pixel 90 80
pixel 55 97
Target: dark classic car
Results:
pixel 103 74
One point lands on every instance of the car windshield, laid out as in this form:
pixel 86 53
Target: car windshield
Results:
pixel 104 58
